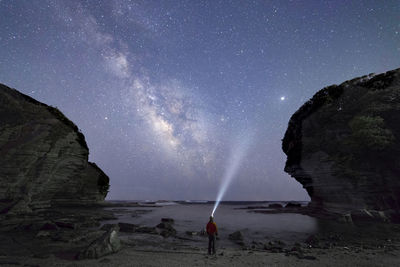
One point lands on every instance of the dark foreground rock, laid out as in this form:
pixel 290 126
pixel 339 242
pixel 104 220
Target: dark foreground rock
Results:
pixel 44 158
pixel 237 237
pixel 276 246
pixel 166 228
pixel 125 227
pixel 107 244
pixel 167 220
pixel 343 146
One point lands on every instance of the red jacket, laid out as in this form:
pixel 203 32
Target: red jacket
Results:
pixel 211 228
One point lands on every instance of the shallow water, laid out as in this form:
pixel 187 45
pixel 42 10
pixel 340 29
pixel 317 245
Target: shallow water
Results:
pixel 288 227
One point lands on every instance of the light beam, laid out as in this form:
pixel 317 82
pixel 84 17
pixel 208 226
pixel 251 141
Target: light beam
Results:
pixel 235 160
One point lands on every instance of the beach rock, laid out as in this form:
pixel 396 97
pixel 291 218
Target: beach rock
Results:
pixel 297 247
pixel 192 233
pixel 257 245
pixel 44 158
pixel 166 229
pixel 295 253
pixel 275 246
pixel 203 232
pixel 313 241
pixel 107 244
pixel 167 220
pixel 108 226
pixel 147 230
pixel 293 205
pixel 237 237
pixel 275 206
pixel 343 146
pixel 127 227
pixel 368 215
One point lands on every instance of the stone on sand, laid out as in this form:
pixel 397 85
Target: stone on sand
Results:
pixel 107 244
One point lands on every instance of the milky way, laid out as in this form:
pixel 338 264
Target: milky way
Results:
pixel 164 91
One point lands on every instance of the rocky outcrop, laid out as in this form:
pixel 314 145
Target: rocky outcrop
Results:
pixel 343 146
pixel 43 158
pixel 107 244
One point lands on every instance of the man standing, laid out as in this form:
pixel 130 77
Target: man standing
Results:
pixel 212 232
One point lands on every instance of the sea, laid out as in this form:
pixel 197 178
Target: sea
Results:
pixel 230 216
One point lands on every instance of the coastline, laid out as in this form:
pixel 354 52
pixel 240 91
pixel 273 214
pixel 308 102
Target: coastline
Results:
pixel 372 245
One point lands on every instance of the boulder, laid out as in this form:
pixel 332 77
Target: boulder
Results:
pixel 127 227
pixel 343 146
pixel 167 220
pixel 237 237
pixel 44 158
pixel 107 244
pixel 166 229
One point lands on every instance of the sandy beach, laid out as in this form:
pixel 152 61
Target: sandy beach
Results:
pixel 281 243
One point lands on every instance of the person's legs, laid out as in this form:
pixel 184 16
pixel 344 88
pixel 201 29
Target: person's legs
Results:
pixel 213 244
pixel 209 244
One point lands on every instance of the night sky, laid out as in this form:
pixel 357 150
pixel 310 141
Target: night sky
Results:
pixel 172 95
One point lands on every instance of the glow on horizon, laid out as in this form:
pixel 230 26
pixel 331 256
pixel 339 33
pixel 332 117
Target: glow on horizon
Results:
pixel 234 163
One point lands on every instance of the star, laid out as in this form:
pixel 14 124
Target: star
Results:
pixel 181 84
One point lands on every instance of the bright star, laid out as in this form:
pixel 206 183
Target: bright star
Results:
pixel 282 98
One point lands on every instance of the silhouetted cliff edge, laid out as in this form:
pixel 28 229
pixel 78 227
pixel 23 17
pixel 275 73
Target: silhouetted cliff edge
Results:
pixel 343 146
pixel 43 158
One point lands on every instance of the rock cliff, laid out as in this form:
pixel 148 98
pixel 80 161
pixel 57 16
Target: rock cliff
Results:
pixel 43 158
pixel 343 146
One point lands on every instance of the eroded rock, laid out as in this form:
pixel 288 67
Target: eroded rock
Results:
pixel 44 158
pixel 107 244
pixel 343 146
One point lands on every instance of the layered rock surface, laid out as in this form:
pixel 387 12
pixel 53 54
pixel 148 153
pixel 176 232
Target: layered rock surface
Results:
pixel 343 146
pixel 43 158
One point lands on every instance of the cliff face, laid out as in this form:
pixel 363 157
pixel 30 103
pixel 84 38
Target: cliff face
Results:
pixel 343 146
pixel 43 158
